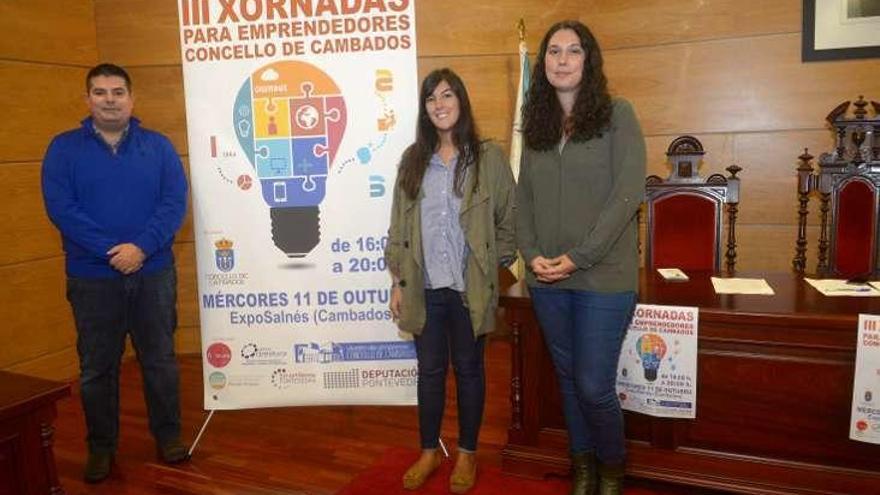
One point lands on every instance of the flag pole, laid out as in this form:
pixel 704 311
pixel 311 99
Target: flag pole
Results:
pixel 516 144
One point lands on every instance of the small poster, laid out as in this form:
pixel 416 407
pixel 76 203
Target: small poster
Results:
pixel 657 370
pixel 865 418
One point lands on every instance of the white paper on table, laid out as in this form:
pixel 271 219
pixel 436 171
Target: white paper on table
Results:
pixel 834 287
pixel 757 286
pixel 672 274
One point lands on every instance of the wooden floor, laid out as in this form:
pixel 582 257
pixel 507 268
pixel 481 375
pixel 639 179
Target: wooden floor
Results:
pixel 293 450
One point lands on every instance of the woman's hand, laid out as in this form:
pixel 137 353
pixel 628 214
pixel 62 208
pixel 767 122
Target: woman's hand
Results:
pixel 396 301
pixel 540 265
pixel 562 267
pixel 552 270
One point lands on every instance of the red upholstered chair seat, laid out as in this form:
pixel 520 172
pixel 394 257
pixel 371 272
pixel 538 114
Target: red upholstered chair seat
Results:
pixel 854 235
pixel 684 229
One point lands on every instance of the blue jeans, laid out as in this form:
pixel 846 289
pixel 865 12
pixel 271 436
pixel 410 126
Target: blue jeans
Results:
pixel 105 311
pixel 448 331
pixel 584 331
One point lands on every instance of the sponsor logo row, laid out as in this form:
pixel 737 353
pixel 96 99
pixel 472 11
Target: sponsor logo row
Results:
pixel 220 354
pixel 283 378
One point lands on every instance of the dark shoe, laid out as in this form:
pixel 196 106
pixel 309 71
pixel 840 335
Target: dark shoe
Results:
pixel 611 479
pixel 173 452
pixel 583 473
pixel 97 467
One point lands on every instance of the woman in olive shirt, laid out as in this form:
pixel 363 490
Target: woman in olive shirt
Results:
pixel 580 186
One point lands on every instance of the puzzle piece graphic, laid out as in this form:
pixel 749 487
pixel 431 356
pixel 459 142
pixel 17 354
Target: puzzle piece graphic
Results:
pixel 310 160
pixel 307 116
pixel 332 114
pixel 336 117
pixel 271 117
pixel 320 149
pixel 272 158
pixel 298 191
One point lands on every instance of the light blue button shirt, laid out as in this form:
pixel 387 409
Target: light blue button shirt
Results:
pixel 443 242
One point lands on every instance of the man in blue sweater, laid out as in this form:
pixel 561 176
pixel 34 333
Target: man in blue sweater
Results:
pixel 117 193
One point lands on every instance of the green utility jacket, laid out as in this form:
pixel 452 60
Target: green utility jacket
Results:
pixel 583 201
pixel 487 218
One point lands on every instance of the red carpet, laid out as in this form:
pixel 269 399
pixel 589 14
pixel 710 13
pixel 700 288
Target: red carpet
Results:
pixel 384 477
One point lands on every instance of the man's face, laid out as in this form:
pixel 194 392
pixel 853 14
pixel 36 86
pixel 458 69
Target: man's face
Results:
pixel 110 102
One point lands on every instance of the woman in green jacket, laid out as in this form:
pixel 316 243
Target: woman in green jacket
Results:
pixel 581 183
pixel 451 228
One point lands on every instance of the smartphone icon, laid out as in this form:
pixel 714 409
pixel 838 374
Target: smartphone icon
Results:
pixel 279 190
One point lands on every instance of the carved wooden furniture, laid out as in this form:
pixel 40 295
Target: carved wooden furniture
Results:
pixel 847 182
pixel 684 226
pixel 774 391
pixel 27 410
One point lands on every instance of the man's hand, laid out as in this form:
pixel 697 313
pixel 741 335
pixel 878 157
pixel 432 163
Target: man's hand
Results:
pixel 126 257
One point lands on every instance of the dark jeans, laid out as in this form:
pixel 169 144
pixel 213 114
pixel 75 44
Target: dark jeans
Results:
pixel 105 310
pixel 584 331
pixel 448 331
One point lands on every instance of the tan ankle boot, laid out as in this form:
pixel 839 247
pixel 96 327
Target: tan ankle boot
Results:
pixel 464 475
pixel 416 475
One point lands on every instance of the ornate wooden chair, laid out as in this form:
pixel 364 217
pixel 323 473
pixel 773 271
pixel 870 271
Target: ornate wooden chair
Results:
pixel 684 225
pixel 847 182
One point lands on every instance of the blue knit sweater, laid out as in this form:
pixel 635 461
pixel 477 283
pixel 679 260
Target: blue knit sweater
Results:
pixel 99 199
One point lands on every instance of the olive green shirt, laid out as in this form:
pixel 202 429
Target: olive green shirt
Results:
pixel 583 200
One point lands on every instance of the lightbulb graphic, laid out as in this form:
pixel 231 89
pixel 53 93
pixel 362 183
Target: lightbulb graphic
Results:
pixel 289 118
pixel 651 349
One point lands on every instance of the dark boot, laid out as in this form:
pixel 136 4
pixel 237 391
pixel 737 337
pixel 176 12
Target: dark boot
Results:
pixel 173 451
pixel 97 467
pixel 583 473
pixel 611 479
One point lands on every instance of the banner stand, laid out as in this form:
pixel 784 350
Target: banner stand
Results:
pixel 192 447
pixel 443 447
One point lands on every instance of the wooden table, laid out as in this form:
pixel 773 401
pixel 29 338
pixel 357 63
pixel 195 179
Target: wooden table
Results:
pixel 27 410
pixel 774 393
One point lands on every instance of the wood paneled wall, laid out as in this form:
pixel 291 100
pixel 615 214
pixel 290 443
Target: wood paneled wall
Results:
pixel 45 51
pixel 727 71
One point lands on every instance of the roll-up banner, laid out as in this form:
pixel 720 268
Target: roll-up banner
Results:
pixel 297 114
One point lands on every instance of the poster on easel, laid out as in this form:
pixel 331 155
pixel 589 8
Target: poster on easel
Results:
pixel 297 114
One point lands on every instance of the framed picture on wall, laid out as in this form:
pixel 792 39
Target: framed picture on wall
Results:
pixel 840 29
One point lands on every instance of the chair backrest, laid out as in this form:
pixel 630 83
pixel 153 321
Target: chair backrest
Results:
pixel 685 212
pixel 847 182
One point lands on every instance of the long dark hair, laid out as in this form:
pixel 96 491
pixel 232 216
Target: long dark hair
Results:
pixel 591 114
pixel 464 135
